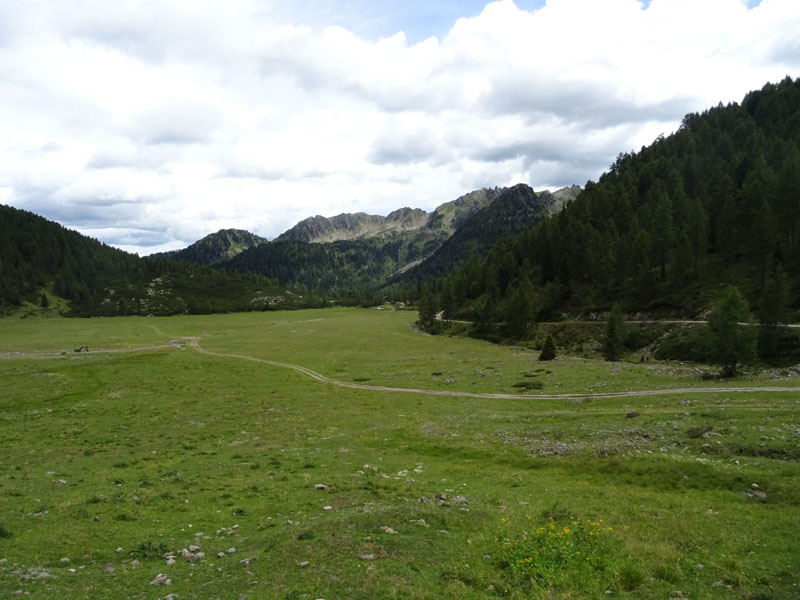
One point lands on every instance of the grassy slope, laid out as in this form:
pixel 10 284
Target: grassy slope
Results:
pixel 155 441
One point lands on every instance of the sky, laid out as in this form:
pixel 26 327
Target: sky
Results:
pixel 150 124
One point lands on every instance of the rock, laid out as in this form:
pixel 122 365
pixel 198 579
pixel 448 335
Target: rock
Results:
pixel 367 557
pixel 459 501
pixel 303 564
pixel 420 522
pixel 320 486
pixel 231 550
pixel 119 550
pixel 96 518
pixel 171 597
pixel 632 414
pixel 195 557
pixel 760 495
pixel 108 569
pixel 754 486
pixel 64 561
pixel 135 563
pixel 161 579
pixel 220 555
pixel 171 561
pixel 194 548
pixel 248 560
pixel 423 500
pixel 327 508
pixel 388 529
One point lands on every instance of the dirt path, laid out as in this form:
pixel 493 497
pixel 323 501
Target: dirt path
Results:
pixel 194 343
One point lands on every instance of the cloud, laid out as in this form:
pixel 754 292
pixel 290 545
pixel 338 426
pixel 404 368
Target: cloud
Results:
pixel 154 123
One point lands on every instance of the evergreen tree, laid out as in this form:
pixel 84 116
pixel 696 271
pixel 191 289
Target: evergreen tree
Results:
pixel 732 340
pixel 615 333
pixel 772 314
pixel 520 310
pixel 45 303
pixel 548 349
pixel 428 307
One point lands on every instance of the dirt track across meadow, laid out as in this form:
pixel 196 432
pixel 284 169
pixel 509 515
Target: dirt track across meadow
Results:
pixel 194 344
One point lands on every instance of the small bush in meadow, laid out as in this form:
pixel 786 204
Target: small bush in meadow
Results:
pixel 556 555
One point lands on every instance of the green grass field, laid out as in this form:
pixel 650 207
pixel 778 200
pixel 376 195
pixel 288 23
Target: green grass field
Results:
pixel 114 460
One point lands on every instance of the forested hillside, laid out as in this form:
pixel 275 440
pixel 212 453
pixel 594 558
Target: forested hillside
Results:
pixel 514 210
pixel 663 231
pixel 40 258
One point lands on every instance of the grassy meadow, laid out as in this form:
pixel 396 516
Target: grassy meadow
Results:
pixel 293 488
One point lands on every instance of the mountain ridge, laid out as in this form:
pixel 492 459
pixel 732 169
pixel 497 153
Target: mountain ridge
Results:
pixel 445 218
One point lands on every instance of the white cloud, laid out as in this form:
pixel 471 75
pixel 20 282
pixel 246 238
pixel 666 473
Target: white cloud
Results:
pixel 151 124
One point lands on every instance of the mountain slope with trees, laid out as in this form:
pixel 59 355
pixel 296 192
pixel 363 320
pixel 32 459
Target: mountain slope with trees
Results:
pixel 215 247
pixel 664 231
pixel 513 211
pixel 40 258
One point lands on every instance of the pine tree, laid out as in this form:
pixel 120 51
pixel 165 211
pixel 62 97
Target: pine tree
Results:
pixel 45 303
pixel 615 332
pixel 548 349
pixel 772 314
pixel 732 340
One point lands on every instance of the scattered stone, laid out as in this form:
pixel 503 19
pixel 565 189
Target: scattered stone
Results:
pixel 718 584
pixel 171 560
pixel 459 501
pixel 171 597
pixel 195 557
pixel 303 564
pixel 220 555
pixel 161 579
pixel 71 570
pixel 754 486
pixel 231 550
pixel 443 531
pixel 423 500
pixel 320 486
pixel 119 550
pixel 367 557
pixel 441 497
pixel 248 560
pixel 632 414
pixel 135 563
pixel 760 495
pixel 96 518
pixel 194 548
pixel 420 522
pixel 487 557
pixel 108 569
pixel 387 529
pixel 64 561
pixel 701 566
